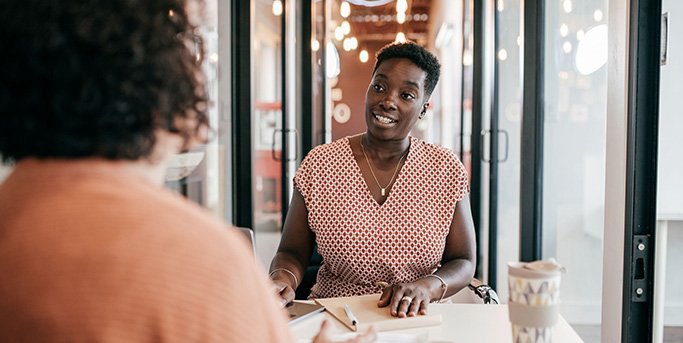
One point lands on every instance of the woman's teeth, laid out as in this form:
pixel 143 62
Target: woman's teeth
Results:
pixel 384 120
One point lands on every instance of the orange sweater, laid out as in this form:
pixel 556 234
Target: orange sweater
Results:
pixel 91 253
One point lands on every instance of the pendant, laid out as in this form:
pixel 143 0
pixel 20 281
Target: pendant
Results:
pixel 384 192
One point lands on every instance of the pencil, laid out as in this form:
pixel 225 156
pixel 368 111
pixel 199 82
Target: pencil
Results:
pixel 349 314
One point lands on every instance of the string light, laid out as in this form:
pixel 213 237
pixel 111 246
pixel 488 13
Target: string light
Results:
pixel 277 7
pixel 567 6
pixel 502 54
pixel 401 6
pixel 400 17
pixel 400 37
pixel 363 56
pixel 597 15
pixel 345 9
pixel 567 47
pixel 338 33
pixel 564 30
pixel 346 27
pixel 315 45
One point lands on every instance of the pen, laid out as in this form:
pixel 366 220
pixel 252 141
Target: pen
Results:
pixel 349 314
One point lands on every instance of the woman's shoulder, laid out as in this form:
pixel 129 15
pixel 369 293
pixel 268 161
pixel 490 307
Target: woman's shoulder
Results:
pixel 333 148
pixel 434 151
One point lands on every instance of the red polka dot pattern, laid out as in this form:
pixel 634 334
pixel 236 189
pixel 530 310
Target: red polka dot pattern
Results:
pixel 362 242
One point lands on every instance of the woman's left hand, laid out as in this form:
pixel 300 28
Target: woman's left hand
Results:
pixel 406 299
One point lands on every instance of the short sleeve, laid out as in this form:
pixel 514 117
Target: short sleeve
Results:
pixel 303 178
pixel 460 179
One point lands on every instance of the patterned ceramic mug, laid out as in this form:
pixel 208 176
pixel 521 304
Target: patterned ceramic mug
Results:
pixel 534 300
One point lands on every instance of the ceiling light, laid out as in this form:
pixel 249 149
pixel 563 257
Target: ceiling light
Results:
pixel 315 45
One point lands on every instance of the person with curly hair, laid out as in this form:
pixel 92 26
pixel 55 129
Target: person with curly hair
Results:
pixel 95 98
pixel 389 213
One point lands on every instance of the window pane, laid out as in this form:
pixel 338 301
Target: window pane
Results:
pixel 574 153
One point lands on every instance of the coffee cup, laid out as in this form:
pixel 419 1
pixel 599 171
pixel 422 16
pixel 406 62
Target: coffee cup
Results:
pixel 534 300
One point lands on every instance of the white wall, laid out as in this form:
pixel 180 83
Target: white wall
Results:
pixel 670 162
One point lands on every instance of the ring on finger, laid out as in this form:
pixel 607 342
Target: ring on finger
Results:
pixel 409 299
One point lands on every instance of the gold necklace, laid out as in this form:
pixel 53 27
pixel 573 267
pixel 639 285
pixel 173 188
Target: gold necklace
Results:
pixel 384 189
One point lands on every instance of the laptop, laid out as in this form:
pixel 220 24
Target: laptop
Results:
pixel 299 311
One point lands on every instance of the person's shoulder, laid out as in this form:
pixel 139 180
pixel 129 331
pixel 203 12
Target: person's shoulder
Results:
pixel 436 151
pixel 327 149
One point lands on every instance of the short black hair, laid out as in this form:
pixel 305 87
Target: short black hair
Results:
pixel 96 78
pixel 418 55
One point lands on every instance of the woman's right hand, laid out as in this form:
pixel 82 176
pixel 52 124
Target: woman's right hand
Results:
pixel 284 291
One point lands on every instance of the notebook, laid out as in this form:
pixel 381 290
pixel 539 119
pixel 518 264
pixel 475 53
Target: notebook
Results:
pixel 367 313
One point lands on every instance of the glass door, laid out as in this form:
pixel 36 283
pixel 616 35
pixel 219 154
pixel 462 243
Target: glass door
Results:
pixel 504 135
pixel 575 77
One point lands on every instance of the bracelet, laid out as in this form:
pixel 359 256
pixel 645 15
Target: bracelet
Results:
pixel 444 285
pixel 296 281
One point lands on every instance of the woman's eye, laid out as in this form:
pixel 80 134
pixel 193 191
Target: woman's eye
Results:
pixel 377 87
pixel 408 96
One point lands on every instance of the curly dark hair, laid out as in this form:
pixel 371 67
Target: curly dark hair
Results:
pixel 418 55
pixel 83 78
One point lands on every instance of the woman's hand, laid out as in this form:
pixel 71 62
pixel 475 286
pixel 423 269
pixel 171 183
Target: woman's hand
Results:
pixel 283 290
pixel 407 299
pixel 326 331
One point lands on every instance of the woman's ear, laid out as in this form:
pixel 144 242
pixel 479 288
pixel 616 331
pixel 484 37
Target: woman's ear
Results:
pixel 425 106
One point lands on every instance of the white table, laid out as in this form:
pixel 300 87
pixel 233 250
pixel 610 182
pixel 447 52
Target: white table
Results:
pixel 461 323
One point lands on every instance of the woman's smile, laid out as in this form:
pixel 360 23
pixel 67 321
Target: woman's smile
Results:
pixel 384 119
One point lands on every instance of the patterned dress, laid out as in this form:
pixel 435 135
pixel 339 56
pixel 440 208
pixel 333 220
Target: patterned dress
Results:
pixel 362 242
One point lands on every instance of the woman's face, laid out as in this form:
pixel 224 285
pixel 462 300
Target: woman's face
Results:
pixel 395 99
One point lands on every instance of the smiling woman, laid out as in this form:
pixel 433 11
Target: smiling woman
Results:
pixel 389 212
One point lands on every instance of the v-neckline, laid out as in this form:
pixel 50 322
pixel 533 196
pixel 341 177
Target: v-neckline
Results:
pixel 359 174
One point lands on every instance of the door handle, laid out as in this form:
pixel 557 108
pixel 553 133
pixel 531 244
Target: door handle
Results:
pixel 507 145
pixel 296 145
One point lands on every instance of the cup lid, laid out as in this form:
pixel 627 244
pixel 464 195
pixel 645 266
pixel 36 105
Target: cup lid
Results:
pixel 536 269
pixel 545 266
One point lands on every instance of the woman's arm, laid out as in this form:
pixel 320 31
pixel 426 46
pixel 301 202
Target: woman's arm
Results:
pixel 295 250
pixel 457 269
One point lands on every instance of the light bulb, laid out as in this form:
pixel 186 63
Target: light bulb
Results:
pixel 315 45
pixel 567 47
pixel 346 27
pixel 564 30
pixel 502 54
pixel 338 33
pixel 345 9
pixel 363 56
pixel 400 37
pixel 401 17
pixel 401 6
pixel 277 7
pixel 597 15
pixel 567 6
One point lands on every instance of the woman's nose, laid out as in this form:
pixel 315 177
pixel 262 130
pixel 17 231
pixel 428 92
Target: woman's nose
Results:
pixel 388 103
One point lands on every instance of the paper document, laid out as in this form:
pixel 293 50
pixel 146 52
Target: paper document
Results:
pixel 366 311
